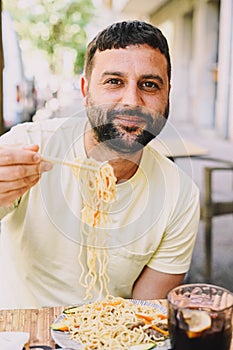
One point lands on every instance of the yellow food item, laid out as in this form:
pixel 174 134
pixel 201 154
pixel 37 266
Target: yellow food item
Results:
pixel 60 325
pixel 98 190
pixel 197 320
pixel 113 324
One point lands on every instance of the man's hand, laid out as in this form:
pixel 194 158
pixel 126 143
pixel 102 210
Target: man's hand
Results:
pixel 20 169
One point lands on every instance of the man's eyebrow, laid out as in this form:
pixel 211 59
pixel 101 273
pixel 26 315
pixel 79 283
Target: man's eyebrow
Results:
pixel 114 73
pixel 154 77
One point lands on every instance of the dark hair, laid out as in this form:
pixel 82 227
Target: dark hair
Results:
pixel 123 34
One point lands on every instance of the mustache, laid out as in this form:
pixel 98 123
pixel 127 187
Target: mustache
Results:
pixel 129 112
pixel 125 139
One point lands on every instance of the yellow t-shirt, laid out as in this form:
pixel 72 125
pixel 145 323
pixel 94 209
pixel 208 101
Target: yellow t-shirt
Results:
pixel 153 222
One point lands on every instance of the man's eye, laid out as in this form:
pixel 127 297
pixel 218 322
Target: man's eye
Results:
pixel 114 81
pixel 150 85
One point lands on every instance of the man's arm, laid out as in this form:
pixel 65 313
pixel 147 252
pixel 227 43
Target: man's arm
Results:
pixel 152 284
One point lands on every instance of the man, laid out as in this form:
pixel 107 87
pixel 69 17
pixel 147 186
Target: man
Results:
pixel 153 223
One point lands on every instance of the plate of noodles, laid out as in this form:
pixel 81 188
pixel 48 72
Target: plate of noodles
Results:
pixel 113 323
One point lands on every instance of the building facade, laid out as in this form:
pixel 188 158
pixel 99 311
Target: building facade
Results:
pixel 200 36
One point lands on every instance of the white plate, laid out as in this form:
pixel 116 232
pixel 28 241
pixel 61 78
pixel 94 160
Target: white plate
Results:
pixel 63 338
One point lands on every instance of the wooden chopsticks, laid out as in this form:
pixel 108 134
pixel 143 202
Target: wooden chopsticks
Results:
pixel 54 160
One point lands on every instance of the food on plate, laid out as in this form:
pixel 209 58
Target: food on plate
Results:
pixel 98 189
pixel 114 323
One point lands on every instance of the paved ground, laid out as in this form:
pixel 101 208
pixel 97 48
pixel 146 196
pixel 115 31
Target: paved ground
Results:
pixel 222 267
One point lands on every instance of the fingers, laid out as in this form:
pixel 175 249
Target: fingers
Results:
pixel 24 182
pixel 34 148
pixel 11 155
pixel 8 195
pixel 19 172
pixel 20 169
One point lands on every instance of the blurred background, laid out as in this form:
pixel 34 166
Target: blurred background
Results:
pixel 46 40
pixel 41 60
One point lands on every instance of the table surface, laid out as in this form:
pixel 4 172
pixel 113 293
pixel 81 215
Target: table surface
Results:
pixel 37 322
pixel 178 148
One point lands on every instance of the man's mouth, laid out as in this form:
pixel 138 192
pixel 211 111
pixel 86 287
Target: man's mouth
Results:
pixel 131 122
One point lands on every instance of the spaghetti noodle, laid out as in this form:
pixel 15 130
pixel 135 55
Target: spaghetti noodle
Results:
pixel 98 192
pixel 115 323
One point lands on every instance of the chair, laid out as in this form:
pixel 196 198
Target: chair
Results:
pixel 213 204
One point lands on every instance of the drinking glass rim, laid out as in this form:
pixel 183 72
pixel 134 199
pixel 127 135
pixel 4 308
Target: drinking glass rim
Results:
pixel 188 285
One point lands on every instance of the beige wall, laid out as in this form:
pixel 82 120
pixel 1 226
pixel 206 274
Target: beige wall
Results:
pixel 194 55
pixel 224 101
pixel 200 35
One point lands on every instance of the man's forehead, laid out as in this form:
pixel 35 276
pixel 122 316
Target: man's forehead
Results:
pixel 129 48
pixel 142 57
pixel 138 53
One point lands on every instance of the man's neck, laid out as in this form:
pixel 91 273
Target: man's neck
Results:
pixel 124 165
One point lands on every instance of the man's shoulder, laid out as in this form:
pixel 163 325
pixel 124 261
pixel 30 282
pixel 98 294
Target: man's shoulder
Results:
pixel 56 123
pixel 172 173
pixel 158 157
pixel 46 126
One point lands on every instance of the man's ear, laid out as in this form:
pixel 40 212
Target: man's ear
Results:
pixel 84 89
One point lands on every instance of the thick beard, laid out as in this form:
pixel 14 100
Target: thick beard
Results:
pixel 120 138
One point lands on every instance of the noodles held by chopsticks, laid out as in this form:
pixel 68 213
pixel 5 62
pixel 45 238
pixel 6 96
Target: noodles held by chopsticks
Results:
pixel 98 189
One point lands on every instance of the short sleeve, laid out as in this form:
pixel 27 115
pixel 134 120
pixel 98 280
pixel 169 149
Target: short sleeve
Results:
pixel 175 250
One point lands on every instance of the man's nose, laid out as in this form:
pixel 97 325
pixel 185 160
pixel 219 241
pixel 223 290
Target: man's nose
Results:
pixel 131 96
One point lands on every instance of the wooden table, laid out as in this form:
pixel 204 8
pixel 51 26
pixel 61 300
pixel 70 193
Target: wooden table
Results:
pixel 37 322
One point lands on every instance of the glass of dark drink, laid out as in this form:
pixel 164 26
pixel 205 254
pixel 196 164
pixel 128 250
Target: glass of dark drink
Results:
pixel 200 317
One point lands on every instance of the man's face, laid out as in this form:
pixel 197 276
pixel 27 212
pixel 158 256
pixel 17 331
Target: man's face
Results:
pixel 127 96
